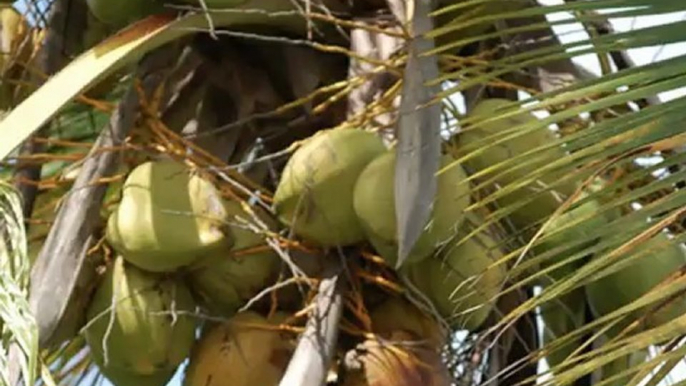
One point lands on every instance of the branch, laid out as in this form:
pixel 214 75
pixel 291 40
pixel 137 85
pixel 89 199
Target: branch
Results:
pixel 312 358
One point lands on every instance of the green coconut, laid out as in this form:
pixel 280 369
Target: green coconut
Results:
pixel 315 194
pixel 626 365
pixel 562 316
pixel 472 139
pixel 657 259
pixel 247 350
pixel 225 281
pixel 462 282
pixel 374 203
pixel 140 322
pixel 120 377
pixel 454 20
pixel 124 12
pixel 577 227
pixel 167 218
pixel 216 4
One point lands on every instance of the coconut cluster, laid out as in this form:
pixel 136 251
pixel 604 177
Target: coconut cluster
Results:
pixel 182 250
pixel 337 190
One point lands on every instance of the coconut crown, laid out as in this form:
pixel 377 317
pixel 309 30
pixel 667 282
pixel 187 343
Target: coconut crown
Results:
pixel 374 204
pixel 131 327
pixel 247 349
pixel 315 194
pixel 167 217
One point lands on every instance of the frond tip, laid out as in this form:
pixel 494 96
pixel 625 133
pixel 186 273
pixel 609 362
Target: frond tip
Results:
pixel 18 327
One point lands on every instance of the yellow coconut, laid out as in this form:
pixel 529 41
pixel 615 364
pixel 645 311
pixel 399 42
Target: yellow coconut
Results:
pixel 463 281
pixel 122 13
pixel 315 194
pixel 167 217
pixel 226 280
pixel 562 316
pixel 15 51
pixel 658 259
pixel 140 322
pixel 374 203
pixel 247 350
pixel 383 363
pixel 397 314
pixel 14 30
pixel 120 377
pixel 480 138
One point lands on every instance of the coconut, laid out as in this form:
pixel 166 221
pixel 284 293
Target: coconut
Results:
pixel 247 350
pixel 140 322
pixel 626 365
pixel 16 47
pixel 315 194
pixel 167 218
pixel 473 139
pixel 377 363
pixel 562 316
pixel 122 13
pixel 218 4
pixel 120 377
pixel 397 314
pixel 454 19
pixel 659 258
pixel 374 203
pixel 654 261
pixel 461 282
pixel 228 279
pixel 577 227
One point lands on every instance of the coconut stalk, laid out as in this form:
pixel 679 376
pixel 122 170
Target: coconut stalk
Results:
pixel 311 360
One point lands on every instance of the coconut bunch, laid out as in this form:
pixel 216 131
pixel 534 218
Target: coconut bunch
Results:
pixel 178 244
pixel 337 190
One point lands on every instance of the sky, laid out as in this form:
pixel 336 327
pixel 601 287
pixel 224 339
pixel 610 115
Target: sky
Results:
pixel 570 33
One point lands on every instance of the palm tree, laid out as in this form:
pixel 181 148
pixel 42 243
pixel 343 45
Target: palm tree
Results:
pixel 392 193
